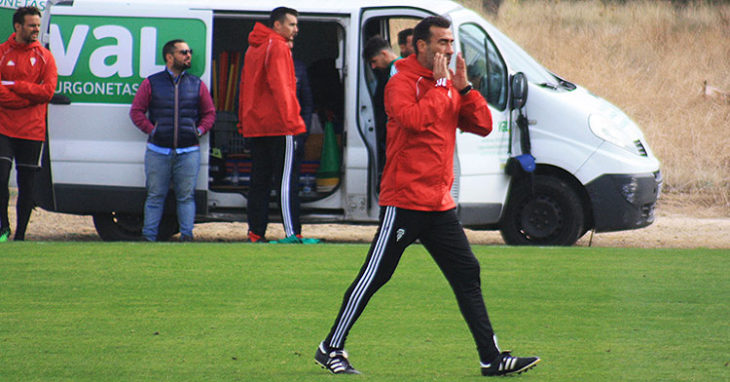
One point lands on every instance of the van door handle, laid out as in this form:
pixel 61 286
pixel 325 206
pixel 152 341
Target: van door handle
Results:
pixel 60 99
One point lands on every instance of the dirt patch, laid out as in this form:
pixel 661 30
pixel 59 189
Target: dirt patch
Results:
pixel 678 225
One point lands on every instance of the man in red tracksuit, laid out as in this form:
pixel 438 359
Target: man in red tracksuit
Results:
pixel 28 79
pixel 269 115
pixel 425 104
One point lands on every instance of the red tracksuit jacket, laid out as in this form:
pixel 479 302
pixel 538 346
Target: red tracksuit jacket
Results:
pixel 268 104
pixel 422 123
pixel 32 71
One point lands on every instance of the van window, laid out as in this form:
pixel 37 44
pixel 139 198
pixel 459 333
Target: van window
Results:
pixel 520 61
pixel 398 24
pixel 388 28
pixel 485 68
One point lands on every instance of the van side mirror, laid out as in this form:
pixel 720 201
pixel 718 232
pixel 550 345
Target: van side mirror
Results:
pixel 518 87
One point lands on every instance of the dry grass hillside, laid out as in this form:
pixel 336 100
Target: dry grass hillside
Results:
pixel 652 60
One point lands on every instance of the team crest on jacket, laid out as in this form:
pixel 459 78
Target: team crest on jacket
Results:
pixel 11 63
pixel 32 61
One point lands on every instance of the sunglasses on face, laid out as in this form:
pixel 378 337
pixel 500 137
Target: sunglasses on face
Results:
pixel 185 52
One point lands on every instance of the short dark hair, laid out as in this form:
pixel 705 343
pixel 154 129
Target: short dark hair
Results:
pixel 374 46
pixel 422 31
pixel 279 14
pixel 20 13
pixel 169 48
pixel 403 36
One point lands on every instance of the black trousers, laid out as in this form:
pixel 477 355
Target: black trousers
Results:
pixel 273 164
pixel 26 154
pixel 444 238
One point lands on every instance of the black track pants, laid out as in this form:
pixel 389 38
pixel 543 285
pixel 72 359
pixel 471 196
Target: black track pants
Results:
pixel 26 154
pixel 444 238
pixel 273 164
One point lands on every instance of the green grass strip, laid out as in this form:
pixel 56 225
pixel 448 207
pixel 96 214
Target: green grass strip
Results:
pixel 247 312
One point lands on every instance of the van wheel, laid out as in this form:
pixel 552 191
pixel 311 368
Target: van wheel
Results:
pixel 115 226
pixel 552 215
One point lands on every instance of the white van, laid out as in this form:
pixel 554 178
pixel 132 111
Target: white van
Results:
pixel 594 168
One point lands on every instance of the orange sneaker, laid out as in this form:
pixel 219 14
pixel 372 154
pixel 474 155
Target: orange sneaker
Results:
pixel 254 238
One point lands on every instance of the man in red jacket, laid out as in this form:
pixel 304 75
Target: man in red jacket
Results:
pixel 28 79
pixel 269 115
pixel 425 103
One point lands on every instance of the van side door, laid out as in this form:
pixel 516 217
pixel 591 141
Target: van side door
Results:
pixel 368 147
pixel 480 184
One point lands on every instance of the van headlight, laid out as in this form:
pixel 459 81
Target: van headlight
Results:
pixel 618 131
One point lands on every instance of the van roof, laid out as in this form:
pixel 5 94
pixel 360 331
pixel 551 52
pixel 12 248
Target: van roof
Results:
pixel 304 6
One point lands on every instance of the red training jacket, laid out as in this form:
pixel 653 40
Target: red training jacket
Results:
pixel 422 122
pixel 29 77
pixel 268 104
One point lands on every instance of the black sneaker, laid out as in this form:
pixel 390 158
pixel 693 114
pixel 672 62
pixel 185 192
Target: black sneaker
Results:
pixel 506 364
pixel 336 361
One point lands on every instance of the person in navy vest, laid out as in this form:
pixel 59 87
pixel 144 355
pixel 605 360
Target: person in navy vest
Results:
pixel 174 108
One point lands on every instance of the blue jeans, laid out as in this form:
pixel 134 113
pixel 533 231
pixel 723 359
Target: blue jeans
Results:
pixel 160 169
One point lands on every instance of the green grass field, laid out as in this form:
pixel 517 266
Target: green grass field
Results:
pixel 219 312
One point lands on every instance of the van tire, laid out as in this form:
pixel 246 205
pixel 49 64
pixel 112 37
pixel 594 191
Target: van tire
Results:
pixel 115 226
pixel 552 215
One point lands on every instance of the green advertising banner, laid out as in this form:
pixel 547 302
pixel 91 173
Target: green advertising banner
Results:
pixel 104 59
pixel 6 23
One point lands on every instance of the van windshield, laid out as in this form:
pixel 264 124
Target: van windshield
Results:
pixel 520 61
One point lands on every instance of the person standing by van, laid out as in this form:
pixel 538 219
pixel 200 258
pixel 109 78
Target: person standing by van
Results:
pixel 269 115
pixel 380 57
pixel 304 92
pixel 425 103
pixel 28 80
pixel 175 109
pixel 405 42
pixel 306 103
